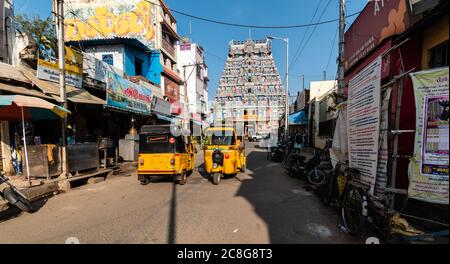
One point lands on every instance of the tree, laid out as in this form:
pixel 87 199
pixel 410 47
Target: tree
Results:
pixel 36 27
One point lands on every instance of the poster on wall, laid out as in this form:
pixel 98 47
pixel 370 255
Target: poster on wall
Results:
pixel 128 96
pixel 48 68
pixel 106 19
pixel 429 167
pixel 383 152
pixel 363 119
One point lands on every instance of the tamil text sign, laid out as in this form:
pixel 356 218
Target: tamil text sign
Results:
pixel 364 122
pixel 48 68
pixel 379 20
pixel 429 166
pixel 104 19
pixel 128 96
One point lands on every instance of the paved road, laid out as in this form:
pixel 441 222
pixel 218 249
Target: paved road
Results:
pixel 263 205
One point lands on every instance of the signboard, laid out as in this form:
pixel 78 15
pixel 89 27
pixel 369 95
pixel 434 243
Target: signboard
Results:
pixel 161 106
pixel 172 90
pixel 48 68
pixel 429 168
pixel 364 122
pixel 104 19
pixel 128 96
pixel 97 69
pixel 379 20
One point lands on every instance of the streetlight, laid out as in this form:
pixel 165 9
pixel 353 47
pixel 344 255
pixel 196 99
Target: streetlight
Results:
pixel 286 116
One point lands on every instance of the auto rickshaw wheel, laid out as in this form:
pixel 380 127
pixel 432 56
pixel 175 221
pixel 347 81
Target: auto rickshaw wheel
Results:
pixel 216 178
pixel 145 181
pixel 183 179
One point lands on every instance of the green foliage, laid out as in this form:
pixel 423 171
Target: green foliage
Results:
pixel 36 27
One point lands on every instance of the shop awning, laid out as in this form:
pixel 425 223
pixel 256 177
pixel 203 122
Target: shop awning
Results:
pixel 168 118
pixel 22 90
pixel 163 117
pixel 298 118
pixel 76 95
pixel 9 72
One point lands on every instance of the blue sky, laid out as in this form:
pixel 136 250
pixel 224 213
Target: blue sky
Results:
pixel 318 52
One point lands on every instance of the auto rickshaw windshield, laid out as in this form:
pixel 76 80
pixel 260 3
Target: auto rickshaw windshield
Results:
pixel 220 138
pixel 164 143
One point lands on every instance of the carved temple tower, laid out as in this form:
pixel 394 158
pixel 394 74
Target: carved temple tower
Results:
pixel 250 95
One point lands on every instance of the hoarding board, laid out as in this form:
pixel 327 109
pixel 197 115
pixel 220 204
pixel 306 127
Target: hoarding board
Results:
pixel 48 68
pixel 105 19
pixel 364 122
pixel 97 69
pixel 379 20
pixel 128 96
pixel 429 170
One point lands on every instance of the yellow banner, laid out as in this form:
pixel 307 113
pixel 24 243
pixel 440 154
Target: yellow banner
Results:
pixel 107 19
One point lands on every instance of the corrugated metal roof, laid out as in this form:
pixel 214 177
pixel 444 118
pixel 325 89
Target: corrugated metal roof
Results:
pixel 22 90
pixel 9 72
pixel 74 94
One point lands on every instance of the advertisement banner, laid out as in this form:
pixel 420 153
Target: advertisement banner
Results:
pixel 105 19
pixel 364 122
pixel 128 96
pixel 48 68
pixel 96 69
pixel 379 20
pixel 429 166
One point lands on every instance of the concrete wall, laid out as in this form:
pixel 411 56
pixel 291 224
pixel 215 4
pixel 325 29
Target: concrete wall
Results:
pixel 117 51
pixel 318 89
pixel 7 31
pixel 318 92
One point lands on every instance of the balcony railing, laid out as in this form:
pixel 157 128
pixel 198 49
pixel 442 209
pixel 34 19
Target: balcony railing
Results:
pixel 169 48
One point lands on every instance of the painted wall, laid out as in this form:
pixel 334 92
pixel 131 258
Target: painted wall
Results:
pixel 318 92
pixel 318 89
pixel 116 50
pixel 433 36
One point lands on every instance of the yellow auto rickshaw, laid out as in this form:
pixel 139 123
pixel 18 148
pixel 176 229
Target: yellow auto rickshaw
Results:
pixel 224 153
pixel 162 154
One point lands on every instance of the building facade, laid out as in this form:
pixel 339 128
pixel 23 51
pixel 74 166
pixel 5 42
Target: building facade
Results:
pixel 194 72
pixel 321 115
pixel 7 32
pixel 167 39
pixel 250 94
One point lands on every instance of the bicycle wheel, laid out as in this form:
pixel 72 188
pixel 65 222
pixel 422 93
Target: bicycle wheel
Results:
pixel 317 177
pixel 351 210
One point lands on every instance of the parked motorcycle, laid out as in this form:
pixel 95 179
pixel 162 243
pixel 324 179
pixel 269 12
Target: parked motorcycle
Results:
pixel 11 194
pixel 276 153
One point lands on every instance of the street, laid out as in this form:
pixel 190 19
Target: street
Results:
pixel 263 205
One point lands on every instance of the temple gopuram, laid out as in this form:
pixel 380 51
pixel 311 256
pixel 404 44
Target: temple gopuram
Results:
pixel 250 95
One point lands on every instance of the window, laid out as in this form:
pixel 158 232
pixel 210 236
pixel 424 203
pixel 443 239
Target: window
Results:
pixel 138 66
pixel 108 59
pixel 323 111
pixel 438 56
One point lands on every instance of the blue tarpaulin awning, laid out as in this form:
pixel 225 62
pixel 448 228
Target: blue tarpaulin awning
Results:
pixel 298 118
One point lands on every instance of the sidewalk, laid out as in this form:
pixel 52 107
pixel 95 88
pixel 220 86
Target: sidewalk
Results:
pixel 40 188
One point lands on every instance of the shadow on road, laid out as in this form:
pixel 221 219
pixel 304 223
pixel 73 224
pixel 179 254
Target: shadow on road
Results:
pixel 171 234
pixel 13 212
pixel 292 214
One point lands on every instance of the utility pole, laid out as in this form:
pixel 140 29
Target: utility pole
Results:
pixel 341 70
pixel 62 80
pixel 303 81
